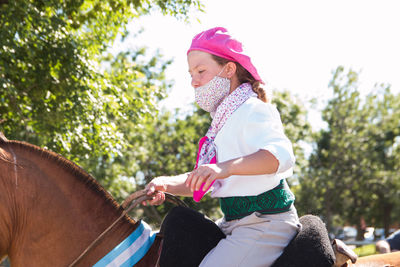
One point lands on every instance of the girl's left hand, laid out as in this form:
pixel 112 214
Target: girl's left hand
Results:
pixel 206 173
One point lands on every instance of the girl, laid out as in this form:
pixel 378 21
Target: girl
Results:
pixel 245 156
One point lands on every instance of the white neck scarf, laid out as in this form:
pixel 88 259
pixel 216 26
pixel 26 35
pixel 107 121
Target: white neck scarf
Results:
pixel 207 151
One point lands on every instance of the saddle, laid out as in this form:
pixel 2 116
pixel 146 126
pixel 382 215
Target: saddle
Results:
pixel 184 246
pixel 311 247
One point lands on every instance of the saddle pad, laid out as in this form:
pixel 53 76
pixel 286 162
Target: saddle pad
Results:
pixel 131 250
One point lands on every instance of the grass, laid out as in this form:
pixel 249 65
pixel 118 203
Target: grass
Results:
pixel 365 250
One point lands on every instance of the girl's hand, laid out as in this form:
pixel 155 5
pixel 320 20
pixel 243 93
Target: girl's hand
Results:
pixel 206 173
pixel 156 188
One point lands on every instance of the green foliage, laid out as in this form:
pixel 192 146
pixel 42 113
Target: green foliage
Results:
pixel 297 128
pixel 353 171
pixel 54 92
pixel 365 250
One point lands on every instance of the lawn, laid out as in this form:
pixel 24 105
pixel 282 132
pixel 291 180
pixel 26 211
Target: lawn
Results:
pixel 365 250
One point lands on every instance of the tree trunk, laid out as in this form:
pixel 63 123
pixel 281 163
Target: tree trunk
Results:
pixel 328 213
pixel 387 211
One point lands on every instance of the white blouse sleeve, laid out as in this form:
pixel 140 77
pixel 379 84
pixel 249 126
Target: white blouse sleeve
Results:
pixel 263 130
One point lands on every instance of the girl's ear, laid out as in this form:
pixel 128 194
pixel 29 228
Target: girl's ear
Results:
pixel 230 69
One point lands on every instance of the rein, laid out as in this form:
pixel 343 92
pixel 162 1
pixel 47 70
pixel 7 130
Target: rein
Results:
pixel 134 199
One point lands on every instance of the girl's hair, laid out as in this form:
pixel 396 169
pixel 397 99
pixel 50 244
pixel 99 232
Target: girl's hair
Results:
pixel 245 77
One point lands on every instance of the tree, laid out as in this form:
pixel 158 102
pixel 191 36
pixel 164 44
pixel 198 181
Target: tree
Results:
pixel 53 90
pixel 297 128
pixel 384 130
pixel 350 172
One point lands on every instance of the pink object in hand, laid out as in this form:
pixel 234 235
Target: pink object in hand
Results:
pixel 198 194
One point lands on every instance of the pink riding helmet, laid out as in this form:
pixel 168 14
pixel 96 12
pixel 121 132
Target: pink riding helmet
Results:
pixel 218 42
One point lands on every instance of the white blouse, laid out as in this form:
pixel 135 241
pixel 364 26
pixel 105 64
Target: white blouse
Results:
pixel 253 126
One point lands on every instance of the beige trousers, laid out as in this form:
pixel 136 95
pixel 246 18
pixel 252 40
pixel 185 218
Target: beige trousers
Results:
pixel 255 240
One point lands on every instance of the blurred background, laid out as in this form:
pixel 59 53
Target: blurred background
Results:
pixel 105 84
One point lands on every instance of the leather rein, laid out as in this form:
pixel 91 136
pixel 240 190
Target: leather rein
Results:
pixel 134 200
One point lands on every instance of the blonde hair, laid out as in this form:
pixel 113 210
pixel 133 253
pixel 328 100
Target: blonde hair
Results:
pixel 245 77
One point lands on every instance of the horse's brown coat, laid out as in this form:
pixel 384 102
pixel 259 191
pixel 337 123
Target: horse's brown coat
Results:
pixel 51 210
pixel 378 260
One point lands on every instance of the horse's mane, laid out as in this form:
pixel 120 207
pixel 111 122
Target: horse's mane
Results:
pixel 62 162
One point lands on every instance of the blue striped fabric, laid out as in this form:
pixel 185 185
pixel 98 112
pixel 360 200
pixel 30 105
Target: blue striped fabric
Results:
pixel 131 250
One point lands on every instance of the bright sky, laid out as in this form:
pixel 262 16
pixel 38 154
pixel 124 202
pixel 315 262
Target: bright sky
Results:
pixel 294 44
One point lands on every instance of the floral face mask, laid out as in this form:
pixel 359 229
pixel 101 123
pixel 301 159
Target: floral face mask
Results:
pixel 210 95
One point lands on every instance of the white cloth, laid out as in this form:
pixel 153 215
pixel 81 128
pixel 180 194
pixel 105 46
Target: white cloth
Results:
pixel 253 126
pixel 256 240
pixel 224 111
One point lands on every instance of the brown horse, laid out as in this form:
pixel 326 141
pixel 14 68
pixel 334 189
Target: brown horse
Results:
pixel 51 210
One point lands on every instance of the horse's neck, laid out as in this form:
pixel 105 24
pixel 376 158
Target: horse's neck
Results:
pixel 58 216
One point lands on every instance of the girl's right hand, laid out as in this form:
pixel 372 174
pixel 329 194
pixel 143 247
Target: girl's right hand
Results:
pixel 156 188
